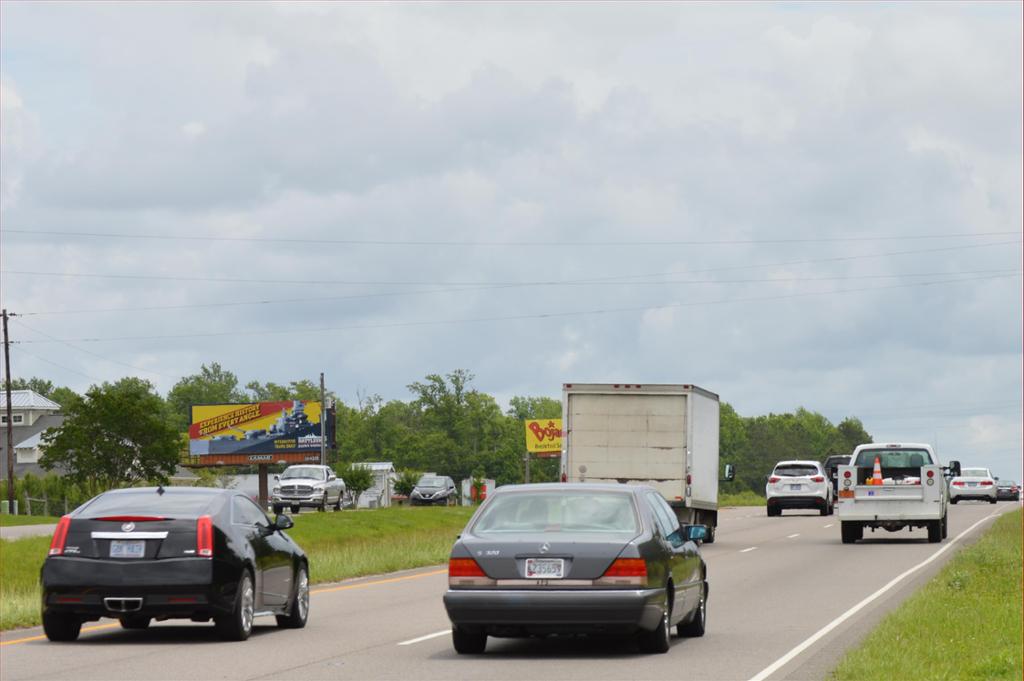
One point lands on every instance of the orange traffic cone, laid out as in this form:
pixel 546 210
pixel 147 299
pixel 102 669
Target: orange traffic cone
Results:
pixel 876 475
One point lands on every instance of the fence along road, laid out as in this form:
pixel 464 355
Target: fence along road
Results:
pixel 764 603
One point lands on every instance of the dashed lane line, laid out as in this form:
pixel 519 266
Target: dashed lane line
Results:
pixel 443 632
pixel 752 548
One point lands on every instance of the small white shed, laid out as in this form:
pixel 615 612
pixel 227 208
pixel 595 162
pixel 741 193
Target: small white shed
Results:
pixel 384 477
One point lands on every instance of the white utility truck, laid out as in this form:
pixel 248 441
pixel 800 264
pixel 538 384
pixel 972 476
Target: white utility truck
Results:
pixel 909 490
pixel 665 436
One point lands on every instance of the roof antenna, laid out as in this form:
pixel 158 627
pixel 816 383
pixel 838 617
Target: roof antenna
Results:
pixel 160 489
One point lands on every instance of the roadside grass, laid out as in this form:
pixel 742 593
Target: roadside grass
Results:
pixel 965 624
pixel 339 546
pixel 744 498
pixel 15 520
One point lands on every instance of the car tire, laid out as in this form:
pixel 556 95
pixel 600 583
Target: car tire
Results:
pixel 710 538
pixel 851 532
pixel 298 608
pixel 59 626
pixel 237 625
pixel 945 526
pixel 295 509
pixel 992 500
pixel 134 622
pixel 772 511
pixel 824 508
pixel 469 640
pixel 278 509
pixel 934 531
pixel 337 504
pixel 695 627
pixel 658 641
pixel 953 500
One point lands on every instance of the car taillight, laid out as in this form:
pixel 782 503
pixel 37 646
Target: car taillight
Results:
pixel 60 535
pixel 467 572
pixel 204 536
pixel 774 479
pixel 958 483
pixel 818 478
pixel 986 483
pixel 131 518
pixel 625 571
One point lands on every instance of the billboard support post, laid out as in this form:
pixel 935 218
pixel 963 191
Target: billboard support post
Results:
pixel 323 418
pixel 526 458
pixel 264 497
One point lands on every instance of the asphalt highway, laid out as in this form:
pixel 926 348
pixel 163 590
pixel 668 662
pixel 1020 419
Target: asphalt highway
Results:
pixel 787 599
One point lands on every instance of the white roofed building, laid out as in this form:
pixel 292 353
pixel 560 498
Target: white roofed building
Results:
pixel 31 415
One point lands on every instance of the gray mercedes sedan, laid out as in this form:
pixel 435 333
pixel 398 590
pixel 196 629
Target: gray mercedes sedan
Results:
pixel 576 558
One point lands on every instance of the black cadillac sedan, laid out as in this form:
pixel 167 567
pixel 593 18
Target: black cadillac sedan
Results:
pixel 576 558
pixel 161 553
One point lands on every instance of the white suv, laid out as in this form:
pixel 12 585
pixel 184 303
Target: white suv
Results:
pixel 799 484
pixel 973 483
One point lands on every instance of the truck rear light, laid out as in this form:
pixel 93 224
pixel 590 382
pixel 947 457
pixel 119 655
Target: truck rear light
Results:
pixel 689 479
pixel 60 535
pixel 467 572
pixel 623 572
pixel 774 479
pixel 565 478
pixel 204 536
pixel 818 478
pixel 931 474
pixel 846 474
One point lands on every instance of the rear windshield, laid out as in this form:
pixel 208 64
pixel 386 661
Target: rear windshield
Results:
pixel 558 512
pixel 430 481
pixel 974 473
pixel 894 458
pixel 793 470
pixel 169 505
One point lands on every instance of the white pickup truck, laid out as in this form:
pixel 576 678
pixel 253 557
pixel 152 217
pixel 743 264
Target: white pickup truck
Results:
pixel 912 491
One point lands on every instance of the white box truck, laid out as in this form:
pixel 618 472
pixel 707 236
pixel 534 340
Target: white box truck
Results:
pixel 665 436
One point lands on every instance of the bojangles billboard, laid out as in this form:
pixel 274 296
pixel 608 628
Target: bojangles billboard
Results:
pixel 291 426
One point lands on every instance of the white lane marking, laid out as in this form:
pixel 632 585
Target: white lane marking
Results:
pixel 785 659
pixel 793 536
pixel 750 549
pixel 830 525
pixel 425 638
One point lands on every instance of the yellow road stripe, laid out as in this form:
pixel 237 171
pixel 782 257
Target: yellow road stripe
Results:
pixel 343 587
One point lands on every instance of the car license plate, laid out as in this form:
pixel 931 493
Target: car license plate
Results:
pixel 545 568
pixel 972 484
pixel 795 488
pixel 127 549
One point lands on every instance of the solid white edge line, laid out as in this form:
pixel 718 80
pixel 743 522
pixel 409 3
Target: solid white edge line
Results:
pixel 785 659
pixel 830 525
pixel 793 535
pixel 750 549
pixel 425 638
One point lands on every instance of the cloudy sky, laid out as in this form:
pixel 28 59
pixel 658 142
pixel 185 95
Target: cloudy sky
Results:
pixel 801 204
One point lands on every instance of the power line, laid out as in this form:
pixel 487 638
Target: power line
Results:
pixel 348 282
pixel 550 315
pixel 89 352
pixel 530 244
pixel 499 286
pixel 23 351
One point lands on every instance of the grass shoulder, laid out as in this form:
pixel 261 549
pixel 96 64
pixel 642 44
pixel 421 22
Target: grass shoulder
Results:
pixel 17 520
pixel 964 624
pixel 744 498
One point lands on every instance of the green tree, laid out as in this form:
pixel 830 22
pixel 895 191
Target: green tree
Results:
pixel 118 434
pixel 357 479
pixel 295 390
pixel 212 385
pixel 407 479
pixel 35 384
pixel 851 433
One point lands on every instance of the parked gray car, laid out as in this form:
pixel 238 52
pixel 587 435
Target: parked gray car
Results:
pixel 307 485
pixel 576 558
pixel 434 490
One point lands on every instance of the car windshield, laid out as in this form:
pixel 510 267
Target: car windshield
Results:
pixel 149 502
pixel 558 512
pixel 430 481
pixel 894 458
pixel 304 472
pixel 975 473
pixel 791 470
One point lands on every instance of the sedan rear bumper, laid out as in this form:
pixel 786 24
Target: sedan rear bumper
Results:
pixel 516 611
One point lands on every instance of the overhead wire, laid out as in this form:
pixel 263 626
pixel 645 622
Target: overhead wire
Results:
pixel 550 315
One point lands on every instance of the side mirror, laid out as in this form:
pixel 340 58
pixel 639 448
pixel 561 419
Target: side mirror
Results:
pixel 283 522
pixel 277 477
pixel 697 533
pixel 331 477
pixel 954 469
pixel 730 472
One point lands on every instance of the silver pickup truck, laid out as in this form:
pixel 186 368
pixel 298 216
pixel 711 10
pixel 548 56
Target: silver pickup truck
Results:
pixel 909 490
pixel 307 485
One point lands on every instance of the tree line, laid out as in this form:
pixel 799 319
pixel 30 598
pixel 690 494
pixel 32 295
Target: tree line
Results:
pixel 125 432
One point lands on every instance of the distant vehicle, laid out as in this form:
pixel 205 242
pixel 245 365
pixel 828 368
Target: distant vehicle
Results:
pixel 665 436
pixel 576 558
pixel 831 467
pixel 434 490
pixel 193 553
pixel 798 484
pixel 910 491
pixel 1007 489
pixel 973 483
pixel 307 486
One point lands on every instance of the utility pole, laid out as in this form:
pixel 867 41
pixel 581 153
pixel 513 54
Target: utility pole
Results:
pixel 10 420
pixel 323 423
